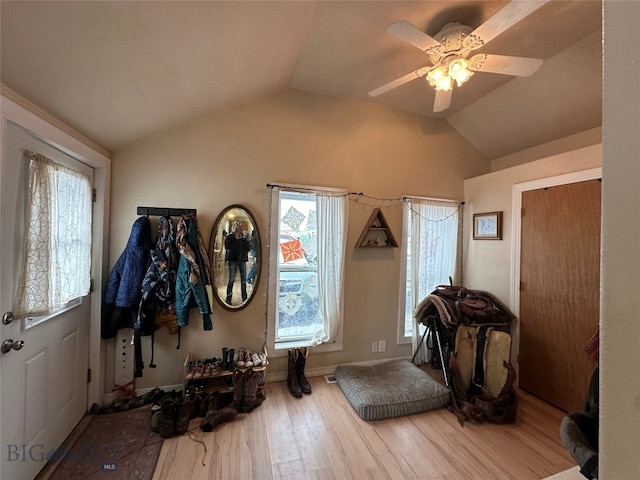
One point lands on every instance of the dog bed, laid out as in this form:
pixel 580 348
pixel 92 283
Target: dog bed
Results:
pixel 390 389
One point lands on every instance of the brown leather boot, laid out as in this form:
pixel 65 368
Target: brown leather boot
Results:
pixel 238 389
pixel 303 353
pixel 293 382
pixel 252 398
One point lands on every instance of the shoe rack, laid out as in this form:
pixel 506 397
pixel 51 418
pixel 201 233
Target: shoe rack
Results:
pixel 214 378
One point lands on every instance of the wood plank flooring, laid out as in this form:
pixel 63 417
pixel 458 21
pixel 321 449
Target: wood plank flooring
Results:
pixel 320 437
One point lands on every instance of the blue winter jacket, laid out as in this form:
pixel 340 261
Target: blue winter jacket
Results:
pixel 124 284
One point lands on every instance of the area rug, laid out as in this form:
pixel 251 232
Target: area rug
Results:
pixel 113 445
pixel 390 389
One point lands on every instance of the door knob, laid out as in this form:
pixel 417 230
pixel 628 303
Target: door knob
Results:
pixel 7 345
pixel 7 317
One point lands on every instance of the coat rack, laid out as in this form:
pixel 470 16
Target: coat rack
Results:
pixel 165 212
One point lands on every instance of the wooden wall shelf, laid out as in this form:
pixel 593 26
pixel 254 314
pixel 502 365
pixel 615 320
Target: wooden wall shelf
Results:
pixel 376 233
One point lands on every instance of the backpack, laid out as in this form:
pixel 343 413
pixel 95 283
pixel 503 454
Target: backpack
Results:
pixel 481 377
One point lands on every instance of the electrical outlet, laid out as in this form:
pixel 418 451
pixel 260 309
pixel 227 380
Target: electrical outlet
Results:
pixel 374 347
pixel 382 345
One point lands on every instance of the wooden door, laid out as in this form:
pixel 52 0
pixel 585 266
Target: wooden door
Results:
pixel 559 290
pixel 44 383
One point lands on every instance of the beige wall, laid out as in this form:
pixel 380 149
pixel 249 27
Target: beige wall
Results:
pixel 300 138
pixel 487 264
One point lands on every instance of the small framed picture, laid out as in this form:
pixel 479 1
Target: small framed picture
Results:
pixel 487 226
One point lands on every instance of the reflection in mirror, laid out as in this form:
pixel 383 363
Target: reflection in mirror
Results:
pixel 234 250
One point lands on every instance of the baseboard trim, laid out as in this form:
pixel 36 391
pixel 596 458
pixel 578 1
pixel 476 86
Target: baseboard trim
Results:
pixel 109 398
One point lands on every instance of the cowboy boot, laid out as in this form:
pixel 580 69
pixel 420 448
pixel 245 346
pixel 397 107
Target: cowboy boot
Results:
pixel 182 416
pixel 224 399
pixel 293 381
pixel 238 389
pixel 192 399
pixel 252 398
pixel 166 420
pixel 203 404
pixel 303 353
pixel 216 417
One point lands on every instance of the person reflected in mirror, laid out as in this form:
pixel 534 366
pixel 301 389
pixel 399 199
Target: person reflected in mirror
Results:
pixel 253 243
pixel 237 254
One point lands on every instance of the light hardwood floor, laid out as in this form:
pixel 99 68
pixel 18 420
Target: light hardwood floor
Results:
pixel 320 436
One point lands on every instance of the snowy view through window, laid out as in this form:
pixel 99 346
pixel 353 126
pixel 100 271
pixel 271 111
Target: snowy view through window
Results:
pixel 298 314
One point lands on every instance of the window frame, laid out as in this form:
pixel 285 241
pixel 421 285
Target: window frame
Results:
pixel 402 337
pixel 280 348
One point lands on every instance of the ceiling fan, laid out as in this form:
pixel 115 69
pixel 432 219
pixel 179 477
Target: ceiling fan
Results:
pixel 450 48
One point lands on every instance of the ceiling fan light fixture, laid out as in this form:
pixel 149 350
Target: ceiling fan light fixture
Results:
pixel 438 77
pixel 459 70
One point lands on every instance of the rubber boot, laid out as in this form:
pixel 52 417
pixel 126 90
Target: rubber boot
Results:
pixel 252 398
pixel 223 362
pixel 303 353
pixel 238 389
pixel 292 374
pixel 231 364
pixel 182 416
pixel 166 420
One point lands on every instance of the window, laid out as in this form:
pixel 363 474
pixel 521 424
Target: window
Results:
pixel 310 228
pixel 430 240
pixel 56 247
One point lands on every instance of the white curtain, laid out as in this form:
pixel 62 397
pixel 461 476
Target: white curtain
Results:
pixel 332 241
pixel 56 260
pixel 433 237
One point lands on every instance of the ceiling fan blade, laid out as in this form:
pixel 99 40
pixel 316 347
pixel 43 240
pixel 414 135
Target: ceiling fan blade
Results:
pixel 399 81
pixel 505 64
pixel 508 16
pixel 410 34
pixel 442 101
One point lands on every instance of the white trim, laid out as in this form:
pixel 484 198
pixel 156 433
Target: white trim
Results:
pixel 101 164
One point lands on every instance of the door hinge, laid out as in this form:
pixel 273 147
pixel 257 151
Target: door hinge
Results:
pixel 88 375
pixel 94 195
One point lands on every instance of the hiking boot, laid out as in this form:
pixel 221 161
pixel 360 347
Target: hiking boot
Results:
pixel 182 416
pixel 293 382
pixel 252 398
pixel 238 389
pixel 166 419
pixel 303 353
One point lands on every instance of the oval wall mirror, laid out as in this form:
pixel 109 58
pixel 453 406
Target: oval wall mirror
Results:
pixel 234 250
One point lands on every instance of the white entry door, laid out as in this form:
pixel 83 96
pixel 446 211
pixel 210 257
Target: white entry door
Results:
pixel 44 383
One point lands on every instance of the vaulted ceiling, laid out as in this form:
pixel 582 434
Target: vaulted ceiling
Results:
pixel 121 71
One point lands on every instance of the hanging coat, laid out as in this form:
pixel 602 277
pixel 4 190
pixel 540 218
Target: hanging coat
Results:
pixel 123 289
pixel 193 279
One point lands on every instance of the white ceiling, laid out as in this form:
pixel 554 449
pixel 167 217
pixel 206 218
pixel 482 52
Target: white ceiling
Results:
pixel 121 71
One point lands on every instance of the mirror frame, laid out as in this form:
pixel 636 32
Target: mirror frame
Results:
pixel 218 264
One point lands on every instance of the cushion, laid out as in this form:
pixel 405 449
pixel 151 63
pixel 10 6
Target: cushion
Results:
pixel 390 389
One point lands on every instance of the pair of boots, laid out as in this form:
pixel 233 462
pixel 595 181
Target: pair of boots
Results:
pixel 296 381
pixel 172 418
pixel 246 396
pixel 218 411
